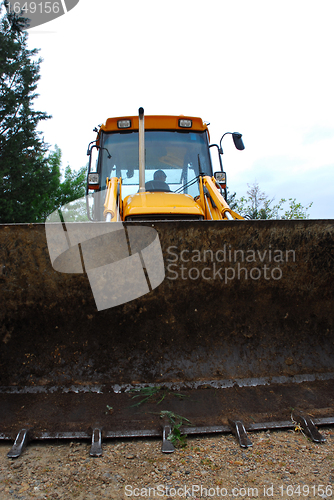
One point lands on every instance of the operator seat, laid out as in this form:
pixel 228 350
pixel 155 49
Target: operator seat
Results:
pixel 154 186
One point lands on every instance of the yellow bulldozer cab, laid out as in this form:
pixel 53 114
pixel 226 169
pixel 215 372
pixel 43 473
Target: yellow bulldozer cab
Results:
pixel 176 147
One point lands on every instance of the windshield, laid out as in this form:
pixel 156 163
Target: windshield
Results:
pixel 181 156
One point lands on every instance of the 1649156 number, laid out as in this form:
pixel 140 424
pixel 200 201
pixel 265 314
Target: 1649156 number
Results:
pixel 34 7
pixel 304 490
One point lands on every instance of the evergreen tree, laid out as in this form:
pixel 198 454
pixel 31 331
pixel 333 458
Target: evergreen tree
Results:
pixel 29 178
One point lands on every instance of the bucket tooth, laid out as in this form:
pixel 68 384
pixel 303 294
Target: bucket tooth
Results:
pixel 96 448
pixel 239 431
pixel 167 446
pixel 308 426
pixel 19 444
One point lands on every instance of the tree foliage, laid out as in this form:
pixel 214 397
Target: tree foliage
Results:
pixel 30 175
pixel 257 205
pixel 231 200
pixel 70 185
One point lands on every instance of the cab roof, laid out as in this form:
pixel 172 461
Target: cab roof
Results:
pixel 155 122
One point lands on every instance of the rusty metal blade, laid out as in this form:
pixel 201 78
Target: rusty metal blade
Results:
pixel 243 303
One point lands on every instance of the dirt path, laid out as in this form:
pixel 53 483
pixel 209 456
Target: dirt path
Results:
pixel 280 465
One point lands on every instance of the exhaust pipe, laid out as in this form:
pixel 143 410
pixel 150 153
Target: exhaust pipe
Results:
pixel 141 151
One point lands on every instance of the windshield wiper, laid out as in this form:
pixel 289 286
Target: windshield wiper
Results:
pixel 190 183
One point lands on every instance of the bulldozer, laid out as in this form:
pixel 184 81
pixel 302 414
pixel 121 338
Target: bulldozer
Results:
pixel 151 300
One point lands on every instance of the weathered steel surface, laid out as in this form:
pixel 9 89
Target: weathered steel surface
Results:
pixel 273 318
pixel 119 415
pixel 242 303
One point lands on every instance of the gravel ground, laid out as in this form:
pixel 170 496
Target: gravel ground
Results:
pixel 280 465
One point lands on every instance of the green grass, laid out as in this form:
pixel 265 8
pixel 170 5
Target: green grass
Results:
pixel 178 439
pixel 155 394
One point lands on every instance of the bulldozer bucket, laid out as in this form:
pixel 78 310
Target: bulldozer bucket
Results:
pixel 226 322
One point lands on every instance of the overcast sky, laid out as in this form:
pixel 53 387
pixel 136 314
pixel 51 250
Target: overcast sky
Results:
pixel 261 68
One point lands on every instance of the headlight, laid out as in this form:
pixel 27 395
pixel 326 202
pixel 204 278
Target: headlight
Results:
pixel 220 177
pixel 185 123
pixel 93 181
pixel 124 123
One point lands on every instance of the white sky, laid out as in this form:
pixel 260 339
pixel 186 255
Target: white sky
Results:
pixel 258 67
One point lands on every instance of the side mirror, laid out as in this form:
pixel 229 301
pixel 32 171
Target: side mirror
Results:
pixel 89 148
pixel 237 139
pixel 238 142
pixel 93 179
